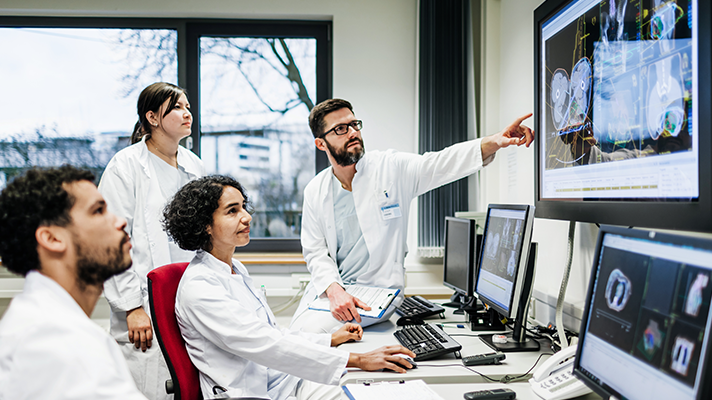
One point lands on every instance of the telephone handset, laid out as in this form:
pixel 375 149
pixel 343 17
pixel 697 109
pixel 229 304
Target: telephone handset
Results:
pixel 554 380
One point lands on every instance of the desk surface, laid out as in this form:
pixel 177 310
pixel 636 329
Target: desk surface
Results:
pixel 446 375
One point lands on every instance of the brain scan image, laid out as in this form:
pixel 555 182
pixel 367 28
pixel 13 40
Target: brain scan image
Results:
pixel 560 98
pixel 580 91
pixel 681 355
pixel 571 99
pixel 618 290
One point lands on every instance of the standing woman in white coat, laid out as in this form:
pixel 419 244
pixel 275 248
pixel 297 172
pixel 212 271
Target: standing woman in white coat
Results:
pixel 137 183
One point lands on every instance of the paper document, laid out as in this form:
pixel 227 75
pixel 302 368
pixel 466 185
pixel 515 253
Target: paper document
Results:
pixel 377 298
pixel 412 390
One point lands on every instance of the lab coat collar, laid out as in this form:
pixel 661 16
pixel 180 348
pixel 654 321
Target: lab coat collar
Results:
pixel 183 163
pixel 38 283
pixel 213 263
pixel 362 163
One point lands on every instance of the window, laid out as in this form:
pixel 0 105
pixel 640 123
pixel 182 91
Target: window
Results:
pixel 72 83
pixel 69 94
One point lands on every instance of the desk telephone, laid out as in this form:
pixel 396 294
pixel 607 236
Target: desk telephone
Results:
pixel 554 380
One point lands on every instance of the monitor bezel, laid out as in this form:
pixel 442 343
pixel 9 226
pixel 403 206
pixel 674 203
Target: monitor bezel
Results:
pixel 606 391
pixel 666 214
pixel 471 251
pixel 514 299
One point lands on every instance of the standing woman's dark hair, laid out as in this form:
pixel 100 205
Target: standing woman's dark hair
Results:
pixel 151 99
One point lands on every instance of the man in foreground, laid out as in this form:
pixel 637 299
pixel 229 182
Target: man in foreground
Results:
pixel 55 231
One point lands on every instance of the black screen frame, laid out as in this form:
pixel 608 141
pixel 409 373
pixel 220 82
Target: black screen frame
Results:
pixel 522 262
pixel 600 387
pixel 471 241
pixel 664 214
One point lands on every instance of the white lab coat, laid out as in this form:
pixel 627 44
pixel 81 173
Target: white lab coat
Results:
pixel 49 349
pixel 233 339
pixel 384 186
pixel 132 192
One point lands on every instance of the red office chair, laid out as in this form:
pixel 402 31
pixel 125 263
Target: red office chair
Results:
pixel 162 287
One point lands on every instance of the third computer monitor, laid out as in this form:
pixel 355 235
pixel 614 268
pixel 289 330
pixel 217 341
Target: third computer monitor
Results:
pixel 459 261
pixel 646 323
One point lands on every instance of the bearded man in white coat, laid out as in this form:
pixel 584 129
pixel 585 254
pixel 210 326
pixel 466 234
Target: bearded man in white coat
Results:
pixel 56 231
pixel 355 213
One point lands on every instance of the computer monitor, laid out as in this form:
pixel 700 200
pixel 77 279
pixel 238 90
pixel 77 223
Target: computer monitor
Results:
pixel 505 272
pixel 646 325
pixel 459 262
pixel 623 112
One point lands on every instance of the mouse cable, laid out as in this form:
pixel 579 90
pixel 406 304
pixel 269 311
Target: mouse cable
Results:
pixel 504 379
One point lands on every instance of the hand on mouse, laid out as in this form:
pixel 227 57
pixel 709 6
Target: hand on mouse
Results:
pixel 384 357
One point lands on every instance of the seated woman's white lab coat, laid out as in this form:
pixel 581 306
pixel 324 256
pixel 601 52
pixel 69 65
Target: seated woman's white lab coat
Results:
pixel 233 339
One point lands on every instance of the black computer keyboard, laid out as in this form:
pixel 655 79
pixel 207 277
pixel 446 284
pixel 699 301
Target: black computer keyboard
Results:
pixel 418 307
pixel 426 341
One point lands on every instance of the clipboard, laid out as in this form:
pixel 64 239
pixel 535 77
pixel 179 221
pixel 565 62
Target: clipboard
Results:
pixel 376 297
pixel 415 390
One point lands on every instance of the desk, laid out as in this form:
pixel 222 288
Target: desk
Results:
pixel 446 375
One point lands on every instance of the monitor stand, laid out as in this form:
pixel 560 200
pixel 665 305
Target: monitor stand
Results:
pixel 517 340
pixel 464 304
pixel 485 320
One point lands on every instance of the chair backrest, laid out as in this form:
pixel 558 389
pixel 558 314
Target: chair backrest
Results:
pixel 162 287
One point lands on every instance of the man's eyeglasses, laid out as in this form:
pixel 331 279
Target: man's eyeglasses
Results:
pixel 343 129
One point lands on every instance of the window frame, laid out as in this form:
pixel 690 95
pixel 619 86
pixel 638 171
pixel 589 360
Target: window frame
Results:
pixel 189 31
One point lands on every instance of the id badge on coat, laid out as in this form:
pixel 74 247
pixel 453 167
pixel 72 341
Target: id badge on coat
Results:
pixel 391 211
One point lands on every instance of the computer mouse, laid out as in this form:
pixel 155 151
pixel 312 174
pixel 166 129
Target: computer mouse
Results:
pixel 405 357
pixel 403 321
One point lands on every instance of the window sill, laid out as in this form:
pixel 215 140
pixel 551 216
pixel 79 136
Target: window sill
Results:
pixel 270 258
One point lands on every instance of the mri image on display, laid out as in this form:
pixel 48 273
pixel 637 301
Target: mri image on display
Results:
pixel 618 290
pixel 618 84
pixel 695 294
pixel 681 355
pixel 652 340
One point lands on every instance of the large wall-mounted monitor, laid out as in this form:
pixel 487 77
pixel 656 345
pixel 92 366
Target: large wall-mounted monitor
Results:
pixel 505 272
pixel 622 112
pixel 646 325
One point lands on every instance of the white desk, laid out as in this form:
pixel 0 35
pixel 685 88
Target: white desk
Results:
pixel 446 374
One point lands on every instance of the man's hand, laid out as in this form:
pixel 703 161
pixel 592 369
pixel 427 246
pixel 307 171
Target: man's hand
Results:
pixel 343 305
pixel 140 332
pixel 381 358
pixel 515 134
pixel 347 333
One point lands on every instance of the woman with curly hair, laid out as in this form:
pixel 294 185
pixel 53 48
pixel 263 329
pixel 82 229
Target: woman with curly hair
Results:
pixel 229 330
pixel 137 183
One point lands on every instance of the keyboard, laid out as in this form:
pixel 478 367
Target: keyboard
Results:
pixel 426 341
pixel 418 307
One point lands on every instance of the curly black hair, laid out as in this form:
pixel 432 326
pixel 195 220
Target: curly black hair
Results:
pixel 37 198
pixel 187 216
